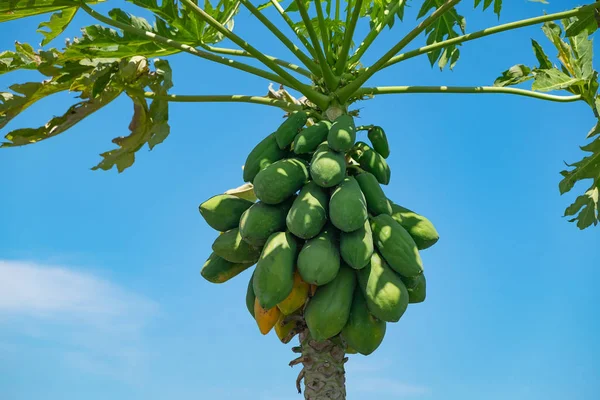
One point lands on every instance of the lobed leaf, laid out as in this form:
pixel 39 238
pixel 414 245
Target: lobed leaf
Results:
pixel 15 9
pixel 488 3
pixel 25 57
pixel 442 29
pixel 514 75
pixel 57 24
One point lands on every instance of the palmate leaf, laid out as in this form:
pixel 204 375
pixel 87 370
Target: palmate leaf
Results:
pixel 15 9
pixel 487 3
pixel 57 24
pixel 25 57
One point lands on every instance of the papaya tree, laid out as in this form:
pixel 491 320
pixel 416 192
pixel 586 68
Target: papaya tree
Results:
pixel 335 261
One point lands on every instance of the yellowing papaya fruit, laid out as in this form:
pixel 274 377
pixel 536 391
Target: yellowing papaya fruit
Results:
pixel 396 245
pixel 280 180
pixel 372 162
pixel 274 273
pixel 250 297
pixel 327 167
pixel 266 318
pixel 417 288
pixel 356 247
pixel 328 310
pixel 308 213
pixel 342 134
pixel 288 130
pixel 296 298
pixel 350 350
pixel 218 270
pixel 284 329
pixel 232 248
pixel 379 141
pixel 309 138
pixel 223 211
pixel 319 259
pixel 363 331
pixel 265 153
pixel 420 228
pixel 377 202
pixel 313 290
pixel 347 206
pixel 262 220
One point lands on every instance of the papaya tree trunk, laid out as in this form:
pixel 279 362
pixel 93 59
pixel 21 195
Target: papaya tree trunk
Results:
pixel 323 373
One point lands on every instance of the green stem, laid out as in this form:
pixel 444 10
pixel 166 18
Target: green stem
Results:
pixel 324 29
pixel 346 92
pixel 184 47
pixel 314 96
pixel 242 53
pixel 464 90
pixel 491 31
pixel 364 127
pixel 331 80
pixel 373 33
pixel 337 10
pixel 310 64
pixel 351 22
pixel 289 21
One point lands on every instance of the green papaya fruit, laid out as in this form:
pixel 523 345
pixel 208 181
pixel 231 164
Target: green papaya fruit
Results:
pixel 396 246
pixel 356 247
pixel 379 141
pixel 218 270
pixel 309 138
pixel 232 248
pixel 274 274
pixel 384 291
pixel 328 310
pixel 372 162
pixel 327 167
pixel 223 211
pixel 288 130
pixel 262 220
pixel 347 206
pixel 420 228
pixel 280 180
pixel 250 297
pixel 342 134
pixel 377 202
pixel 264 154
pixel 363 332
pixel 308 214
pixel 319 259
pixel 417 288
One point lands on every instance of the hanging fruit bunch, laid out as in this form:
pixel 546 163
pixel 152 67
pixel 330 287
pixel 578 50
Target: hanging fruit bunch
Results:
pixel 333 255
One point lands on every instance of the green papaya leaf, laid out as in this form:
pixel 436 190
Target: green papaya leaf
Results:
pixel 514 75
pixel 584 22
pixel 553 79
pixel 25 57
pixel 487 3
pixel 15 9
pixel 541 56
pixel 57 24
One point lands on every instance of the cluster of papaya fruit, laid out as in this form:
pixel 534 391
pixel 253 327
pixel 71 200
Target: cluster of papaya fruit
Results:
pixel 332 252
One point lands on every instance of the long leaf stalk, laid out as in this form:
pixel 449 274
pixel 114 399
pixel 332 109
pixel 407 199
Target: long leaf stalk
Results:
pixel 184 47
pixel 491 31
pixel 346 92
pixel 311 94
pixel 330 79
pixel 289 21
pixel 351 21
pixel 324 31
pixel 374 91
pixel 310 64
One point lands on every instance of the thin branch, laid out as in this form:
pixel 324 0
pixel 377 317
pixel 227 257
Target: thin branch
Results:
pixel 184 47
pixel 289 21
pixel 310 64
pixel 331 80
pixel 242 53
pixel 491 31
pixel 351 22
pixel 346 92
pixel 324 29
pixel 465 90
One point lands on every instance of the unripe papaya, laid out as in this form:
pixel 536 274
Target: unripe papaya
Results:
pixel 319 259
pixel 327 167
pixel 384 291
pixel 296 298
pixel 328 310
pixel 363 332
pixel 356 247
pixel 274 274
pixel 231 247
pixel 218 270
pixel 308 213
pixel 350 350
pixel 288 130
pixel 284 329
pixel 379 141
pixel 416 287
pixel 223 211
pixel 280 180
pixel 262 220
pixel 250 297
pixel 342 134
pixel 266 318
pixel 309 138
pixel 396 246
pixel 347 206
pixel 264 154
pixel 372 162
pixel 420 228
pixel 377 202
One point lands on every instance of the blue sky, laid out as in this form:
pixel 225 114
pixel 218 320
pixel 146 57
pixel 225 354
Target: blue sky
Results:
pixel 100 291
